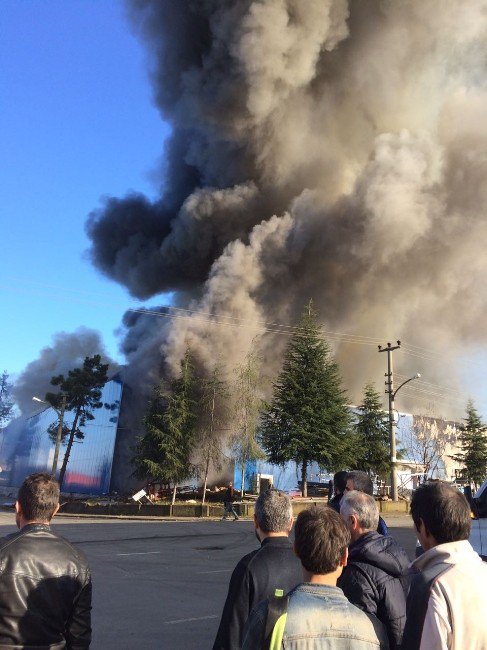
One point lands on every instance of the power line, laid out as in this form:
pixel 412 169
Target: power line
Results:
pixel 415 351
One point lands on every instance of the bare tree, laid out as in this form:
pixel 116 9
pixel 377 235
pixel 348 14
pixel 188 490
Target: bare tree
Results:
pixel 247 407
pixel 426 443
pixel 212 401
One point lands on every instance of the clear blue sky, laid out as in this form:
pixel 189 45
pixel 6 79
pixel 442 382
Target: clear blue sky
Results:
pixel 76 122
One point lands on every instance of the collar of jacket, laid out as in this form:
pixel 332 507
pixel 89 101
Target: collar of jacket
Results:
pixel 362 540
pixel 276 541
pixel 30 527
pixel 451 553
pixel 320 590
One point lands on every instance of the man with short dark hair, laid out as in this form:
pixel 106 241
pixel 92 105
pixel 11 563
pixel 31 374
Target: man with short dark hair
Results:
pixel 446 607
pixel 339 486
pixel 45 583
pixel 362 482
pixel 376 576
pixel 258 574
pixel 318 614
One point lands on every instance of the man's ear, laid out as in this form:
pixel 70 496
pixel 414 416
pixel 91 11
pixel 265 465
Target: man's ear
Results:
pixel 256 523
pixel 354 524
pixel 56 510
pixel 291 523
pixel 422 529
pixel 18 509
pixel 344 558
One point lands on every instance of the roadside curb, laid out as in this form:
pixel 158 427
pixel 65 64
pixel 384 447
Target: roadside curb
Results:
pixel 142 517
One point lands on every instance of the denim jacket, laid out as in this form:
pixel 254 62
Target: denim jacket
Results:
pixel 319 617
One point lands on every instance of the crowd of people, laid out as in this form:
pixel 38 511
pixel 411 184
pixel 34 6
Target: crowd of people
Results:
pixel 346 584
pixel 343 584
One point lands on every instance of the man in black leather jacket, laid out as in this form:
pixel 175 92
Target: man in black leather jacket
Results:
pixel 376 578
pixel 45 583
pixel 256 577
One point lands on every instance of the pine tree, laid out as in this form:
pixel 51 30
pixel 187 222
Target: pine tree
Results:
pixel 82 389
pixel 6 401
pixel 307 419
pixel 164 452
pixel 473 439
pixel 372 430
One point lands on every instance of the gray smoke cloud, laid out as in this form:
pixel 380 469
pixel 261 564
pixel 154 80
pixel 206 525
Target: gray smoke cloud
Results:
pixel 68 351
pixel 322 149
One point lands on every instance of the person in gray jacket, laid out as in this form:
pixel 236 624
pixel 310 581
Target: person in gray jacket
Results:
pixel 318 615
pixel 45 582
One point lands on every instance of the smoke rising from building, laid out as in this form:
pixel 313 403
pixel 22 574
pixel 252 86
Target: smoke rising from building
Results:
pixel 323 149
pixel 67 351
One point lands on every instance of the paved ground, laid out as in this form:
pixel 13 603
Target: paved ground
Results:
pixel 163 584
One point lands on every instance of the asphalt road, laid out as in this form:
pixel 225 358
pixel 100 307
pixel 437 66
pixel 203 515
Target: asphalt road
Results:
pixel 163 584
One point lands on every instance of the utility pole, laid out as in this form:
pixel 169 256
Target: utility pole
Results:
pixel 392 425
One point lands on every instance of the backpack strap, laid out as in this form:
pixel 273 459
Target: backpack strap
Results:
pixel 417 604
pixel 275 620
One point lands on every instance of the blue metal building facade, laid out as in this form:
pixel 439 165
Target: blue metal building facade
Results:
pixel 26 447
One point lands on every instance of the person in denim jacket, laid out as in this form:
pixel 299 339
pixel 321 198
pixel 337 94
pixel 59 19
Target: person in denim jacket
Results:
pixel 318 616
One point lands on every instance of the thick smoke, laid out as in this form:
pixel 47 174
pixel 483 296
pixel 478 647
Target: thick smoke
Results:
pixel 67 351
pixel 322 149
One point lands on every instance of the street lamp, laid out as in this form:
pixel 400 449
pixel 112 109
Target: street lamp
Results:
pixel 59 436
pixel 392 428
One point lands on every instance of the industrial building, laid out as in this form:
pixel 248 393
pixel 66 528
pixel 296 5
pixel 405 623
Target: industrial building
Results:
pixel 101 463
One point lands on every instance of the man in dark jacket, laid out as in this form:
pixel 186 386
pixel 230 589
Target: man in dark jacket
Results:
pixel 339 486
pixel 258 574
pixel 228 499
pixel 376 577
pixel 45 583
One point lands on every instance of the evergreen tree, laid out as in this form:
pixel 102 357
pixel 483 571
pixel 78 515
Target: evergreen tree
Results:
pixel 372 435
pixel 307 419
pixel 6 401
pixel 82 388
pixel 473 439
pixel 164 452
pixel 246 414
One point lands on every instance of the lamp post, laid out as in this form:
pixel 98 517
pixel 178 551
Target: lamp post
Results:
pixel 59 436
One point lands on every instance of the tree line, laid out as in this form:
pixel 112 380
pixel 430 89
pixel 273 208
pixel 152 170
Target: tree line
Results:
pixel 307 419
pixel 194 419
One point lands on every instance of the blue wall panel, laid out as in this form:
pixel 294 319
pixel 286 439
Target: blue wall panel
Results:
pixel 26 447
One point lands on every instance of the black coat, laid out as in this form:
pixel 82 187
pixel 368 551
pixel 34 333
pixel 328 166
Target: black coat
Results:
pixel 376 579
pixel 255 578
pixel 45 591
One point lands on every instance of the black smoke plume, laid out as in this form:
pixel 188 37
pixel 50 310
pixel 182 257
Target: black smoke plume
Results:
pixel 320 149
